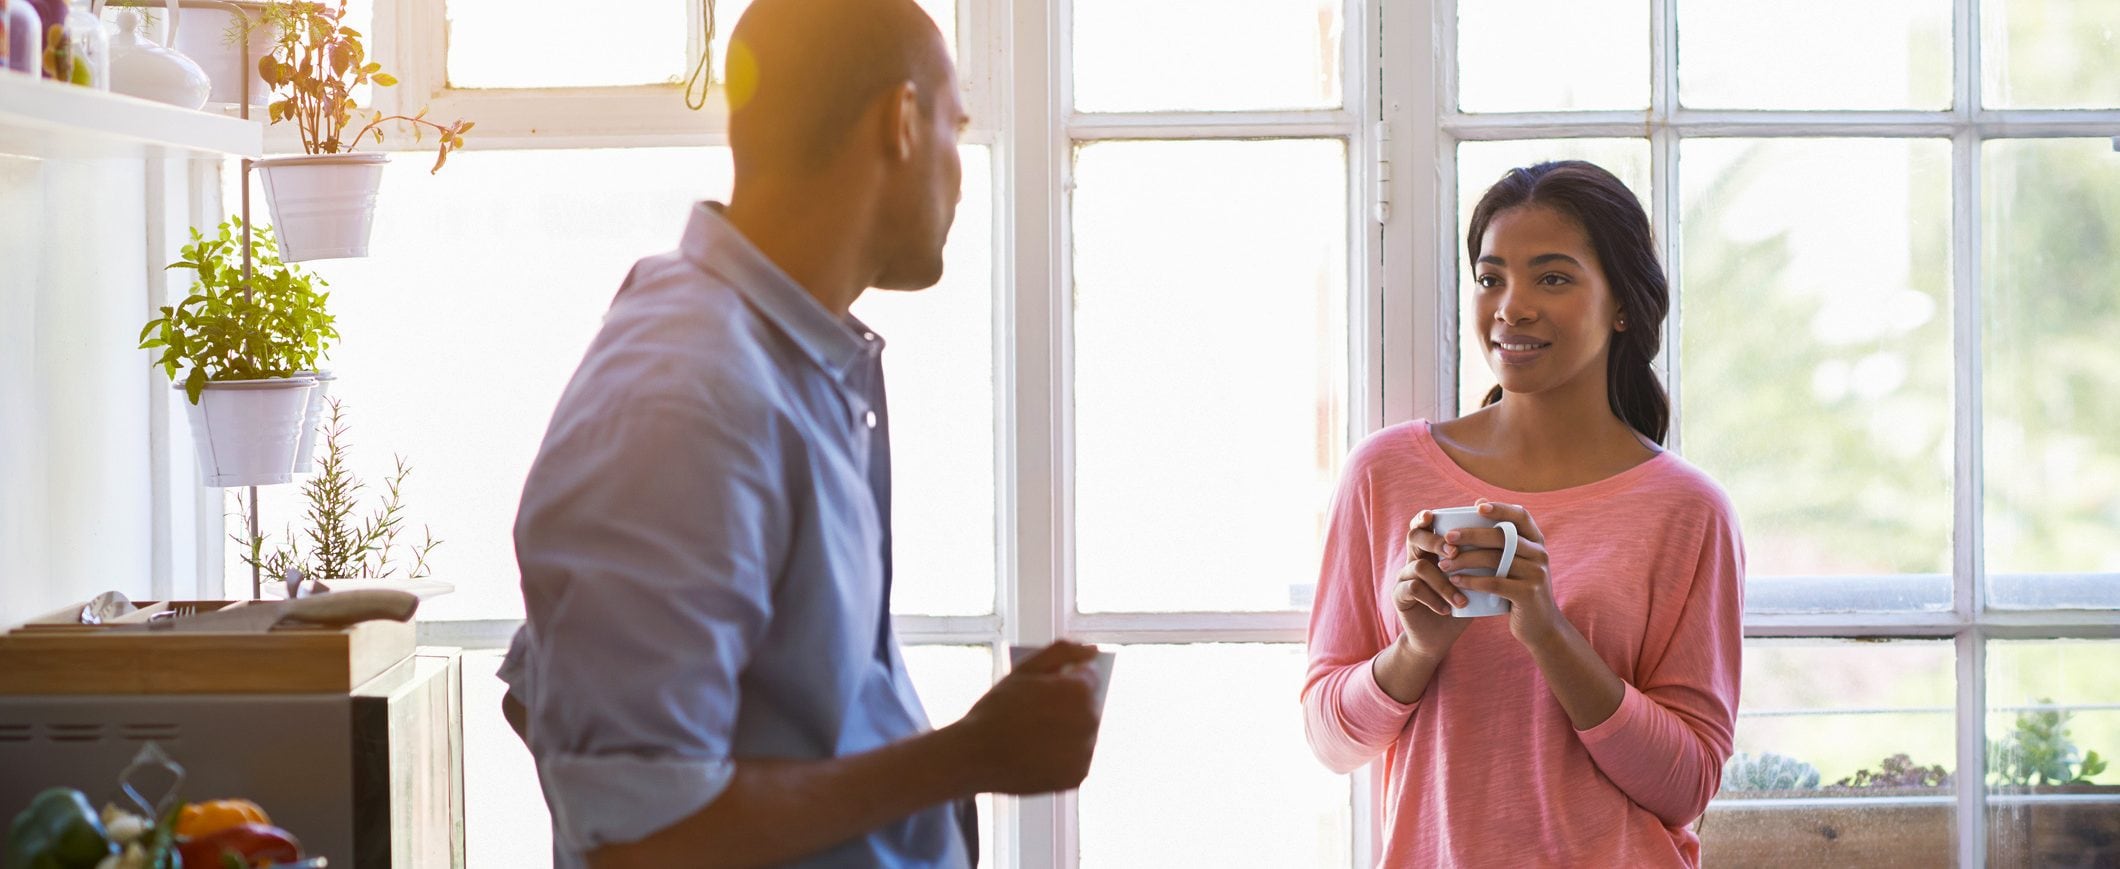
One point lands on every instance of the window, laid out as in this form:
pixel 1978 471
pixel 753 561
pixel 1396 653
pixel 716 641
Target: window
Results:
pixel 1204 379
pixel 1233 247
pixel 1883 249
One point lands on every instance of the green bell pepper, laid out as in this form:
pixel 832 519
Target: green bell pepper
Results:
pixel 59 830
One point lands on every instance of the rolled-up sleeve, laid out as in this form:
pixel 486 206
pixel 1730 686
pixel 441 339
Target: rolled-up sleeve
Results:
pixel 648 539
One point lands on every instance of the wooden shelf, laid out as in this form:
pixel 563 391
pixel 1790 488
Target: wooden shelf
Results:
pixel 55 121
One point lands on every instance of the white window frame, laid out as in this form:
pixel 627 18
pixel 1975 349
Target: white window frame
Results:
pixel 1420 87
pixel 413 44
pixel 1400 120
pixel 1013 67
pixel 1038 580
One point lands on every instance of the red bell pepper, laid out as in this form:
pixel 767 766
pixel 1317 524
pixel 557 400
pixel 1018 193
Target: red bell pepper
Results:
pixel 251 846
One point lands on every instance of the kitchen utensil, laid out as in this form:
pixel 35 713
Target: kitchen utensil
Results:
pixel 334 608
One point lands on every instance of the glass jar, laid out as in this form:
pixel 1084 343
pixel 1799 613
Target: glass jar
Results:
pixel 76 45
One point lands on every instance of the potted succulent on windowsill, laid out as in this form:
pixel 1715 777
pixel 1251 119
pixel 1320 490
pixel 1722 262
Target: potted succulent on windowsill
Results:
pixel 1772 811
pixel 324 201
pixel 239 345
pixel 2043 808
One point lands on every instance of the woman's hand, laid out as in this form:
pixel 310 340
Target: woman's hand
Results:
pixel 1534 617
pixel 1424 594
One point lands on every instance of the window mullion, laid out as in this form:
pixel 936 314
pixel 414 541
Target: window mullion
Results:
pixel 413 38
pixel 1663 192
pixel 1968 562
pixel 1213 125
pixel 1420 295
pixel 1972 748
pixel 1038 832
pixel 1368 207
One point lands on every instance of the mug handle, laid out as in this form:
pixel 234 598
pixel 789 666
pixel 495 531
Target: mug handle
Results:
pixel 1508 548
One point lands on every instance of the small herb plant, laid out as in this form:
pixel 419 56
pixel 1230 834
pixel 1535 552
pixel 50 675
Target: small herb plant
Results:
pixel 1767 772
pixel 1898 771
pixel 338 544
pixel 273 325
pixel 315 64
pixel 2038 752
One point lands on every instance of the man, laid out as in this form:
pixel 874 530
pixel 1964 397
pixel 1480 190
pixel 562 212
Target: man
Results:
pixel 707 674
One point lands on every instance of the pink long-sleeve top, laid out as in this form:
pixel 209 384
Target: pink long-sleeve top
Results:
pixel 1484 768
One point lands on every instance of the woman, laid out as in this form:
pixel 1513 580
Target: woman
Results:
pixel 1588 726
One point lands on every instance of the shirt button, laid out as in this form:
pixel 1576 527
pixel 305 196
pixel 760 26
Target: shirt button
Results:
pixel 870 419
pixel 868 336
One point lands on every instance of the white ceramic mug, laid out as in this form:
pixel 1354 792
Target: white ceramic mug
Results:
pixel 1101 665
pixel 1478 603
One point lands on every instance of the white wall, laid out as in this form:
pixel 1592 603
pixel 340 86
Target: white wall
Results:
pixel 84 486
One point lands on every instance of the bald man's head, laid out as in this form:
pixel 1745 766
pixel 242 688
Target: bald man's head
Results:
pixel 803 72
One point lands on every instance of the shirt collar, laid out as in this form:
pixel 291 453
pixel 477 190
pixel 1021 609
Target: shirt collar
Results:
pixel 836 344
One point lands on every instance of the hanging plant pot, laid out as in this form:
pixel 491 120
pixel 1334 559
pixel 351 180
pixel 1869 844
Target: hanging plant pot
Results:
pixel 305 459
pixel 322 204
pixel 246 431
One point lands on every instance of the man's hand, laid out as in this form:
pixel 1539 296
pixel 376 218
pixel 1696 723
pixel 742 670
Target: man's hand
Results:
pixel 1035 730
pixel 1033 733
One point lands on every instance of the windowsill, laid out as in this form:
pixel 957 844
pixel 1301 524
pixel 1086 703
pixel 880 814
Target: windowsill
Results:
pixel 1927 592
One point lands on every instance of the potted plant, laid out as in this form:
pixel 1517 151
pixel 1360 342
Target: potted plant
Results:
pixel 2042 807
pixel 239 345
pixel 1772 811
pixel 228 46
pixel 341 546
pixel 324 201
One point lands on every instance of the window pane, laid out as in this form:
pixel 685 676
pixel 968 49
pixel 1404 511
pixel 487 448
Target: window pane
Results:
pixel 728 12
pixel 1816 350
pixel 940 362
pixel 1553 55
pixel 506 822
pixel 484 292
pixel 503 44
pixel 471 316
pixel 2051 706
pixel 1167 55
pixel 1480 165
pixel 1819 723
pixel 1210 370
pixel 2050 54
pixel 2050 222
pixel 1893 54
pixel 1202 762
pixel 950 679
pixel 632 42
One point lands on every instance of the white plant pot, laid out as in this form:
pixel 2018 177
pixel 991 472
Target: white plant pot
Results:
pixel 204 35
pixel 319 401
pixel 246 431
pixel 322 204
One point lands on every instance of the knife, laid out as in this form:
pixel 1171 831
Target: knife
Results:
pixel 337 608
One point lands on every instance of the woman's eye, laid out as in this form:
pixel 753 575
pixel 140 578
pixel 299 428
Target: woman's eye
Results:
pixel 1553 279
pixel 1488 281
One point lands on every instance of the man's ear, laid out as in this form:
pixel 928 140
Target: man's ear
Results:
pixel 901 120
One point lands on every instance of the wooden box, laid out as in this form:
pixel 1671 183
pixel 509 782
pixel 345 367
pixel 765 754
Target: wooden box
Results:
pixel 56 654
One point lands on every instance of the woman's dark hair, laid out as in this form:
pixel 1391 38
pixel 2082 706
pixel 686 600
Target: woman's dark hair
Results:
pixel 1619 231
